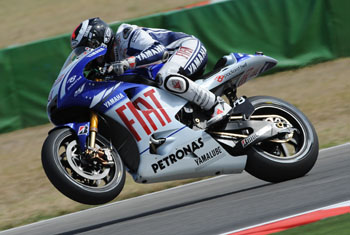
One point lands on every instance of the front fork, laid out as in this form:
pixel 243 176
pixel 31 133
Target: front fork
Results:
pixel 93 129
pixel 102 155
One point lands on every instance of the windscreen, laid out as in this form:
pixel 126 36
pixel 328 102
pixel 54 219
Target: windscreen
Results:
pixel 75 54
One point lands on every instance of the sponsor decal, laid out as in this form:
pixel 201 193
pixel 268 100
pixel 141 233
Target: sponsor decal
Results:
pixel 107 36
pixel 72 81
pixel 177 155
pixel 131 61
pixel 177 85
pixel 198 60
pixel 153 110
pixel 95 52
pixel 79 90
pixel 208 156
pixel 150 52
pixel 83 130
pixel 87 31
pixel 184 52
pixel 238 102
pixel 235 70
pixel 113 100
pixel 219 78
pixel 229 73
pixel 250 139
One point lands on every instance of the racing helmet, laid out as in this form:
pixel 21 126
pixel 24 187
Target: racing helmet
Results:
pixel 92 33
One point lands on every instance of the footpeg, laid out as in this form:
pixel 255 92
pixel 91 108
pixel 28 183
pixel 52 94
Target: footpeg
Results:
pixel 158 142
pixel 155 143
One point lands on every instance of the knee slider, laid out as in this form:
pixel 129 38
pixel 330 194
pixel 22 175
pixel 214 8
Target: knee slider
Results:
pixel 176 83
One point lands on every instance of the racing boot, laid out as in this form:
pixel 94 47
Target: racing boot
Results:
pixel 221 109
pixel 191 91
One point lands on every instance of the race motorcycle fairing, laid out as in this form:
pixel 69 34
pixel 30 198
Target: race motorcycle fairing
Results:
pixel 105 123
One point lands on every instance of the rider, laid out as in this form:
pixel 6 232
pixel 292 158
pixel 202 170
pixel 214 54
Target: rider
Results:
pixel 136 47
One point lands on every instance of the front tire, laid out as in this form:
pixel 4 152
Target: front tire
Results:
pixel 67 170
pixel 275 161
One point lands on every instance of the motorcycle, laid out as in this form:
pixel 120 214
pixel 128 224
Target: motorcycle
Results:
pixel 105 126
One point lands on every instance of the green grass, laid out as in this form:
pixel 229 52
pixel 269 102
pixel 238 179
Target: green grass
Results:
pixel 338 225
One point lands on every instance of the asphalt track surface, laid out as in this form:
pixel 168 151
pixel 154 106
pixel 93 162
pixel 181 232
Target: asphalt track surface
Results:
pixel 214 206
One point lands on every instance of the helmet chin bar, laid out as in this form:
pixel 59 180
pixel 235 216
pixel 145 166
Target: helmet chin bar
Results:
pixel 94 43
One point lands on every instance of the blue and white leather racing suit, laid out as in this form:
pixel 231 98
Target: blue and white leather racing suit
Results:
pixel 183 54
pixel 151 46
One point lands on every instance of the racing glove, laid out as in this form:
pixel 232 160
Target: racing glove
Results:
pixel 121 66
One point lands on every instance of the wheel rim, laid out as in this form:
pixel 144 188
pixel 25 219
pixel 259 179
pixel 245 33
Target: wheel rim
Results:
pixel 289 151
pixel 79 172
pixel 76 164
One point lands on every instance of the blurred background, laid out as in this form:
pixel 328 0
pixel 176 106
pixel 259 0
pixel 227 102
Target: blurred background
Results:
pixel 309 38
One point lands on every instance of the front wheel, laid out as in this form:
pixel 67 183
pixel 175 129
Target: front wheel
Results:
pixel 77 177
pixel 280 160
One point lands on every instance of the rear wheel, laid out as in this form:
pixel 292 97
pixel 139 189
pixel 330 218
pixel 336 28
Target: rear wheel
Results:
pixel 76 175
pixel 289 158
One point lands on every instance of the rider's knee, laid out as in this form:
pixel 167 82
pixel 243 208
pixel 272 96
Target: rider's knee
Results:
pixel 175 83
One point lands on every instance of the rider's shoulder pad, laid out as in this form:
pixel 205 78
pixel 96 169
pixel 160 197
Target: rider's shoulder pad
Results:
pixel 124 31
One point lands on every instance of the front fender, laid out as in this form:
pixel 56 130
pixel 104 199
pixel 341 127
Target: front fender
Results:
pixel 121 138
pixel 81 130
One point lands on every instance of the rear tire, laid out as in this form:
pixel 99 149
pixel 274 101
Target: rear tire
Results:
pixel 276 162
pixel 67 171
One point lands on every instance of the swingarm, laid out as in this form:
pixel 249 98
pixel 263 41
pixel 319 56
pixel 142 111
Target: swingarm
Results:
pixel 241 133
